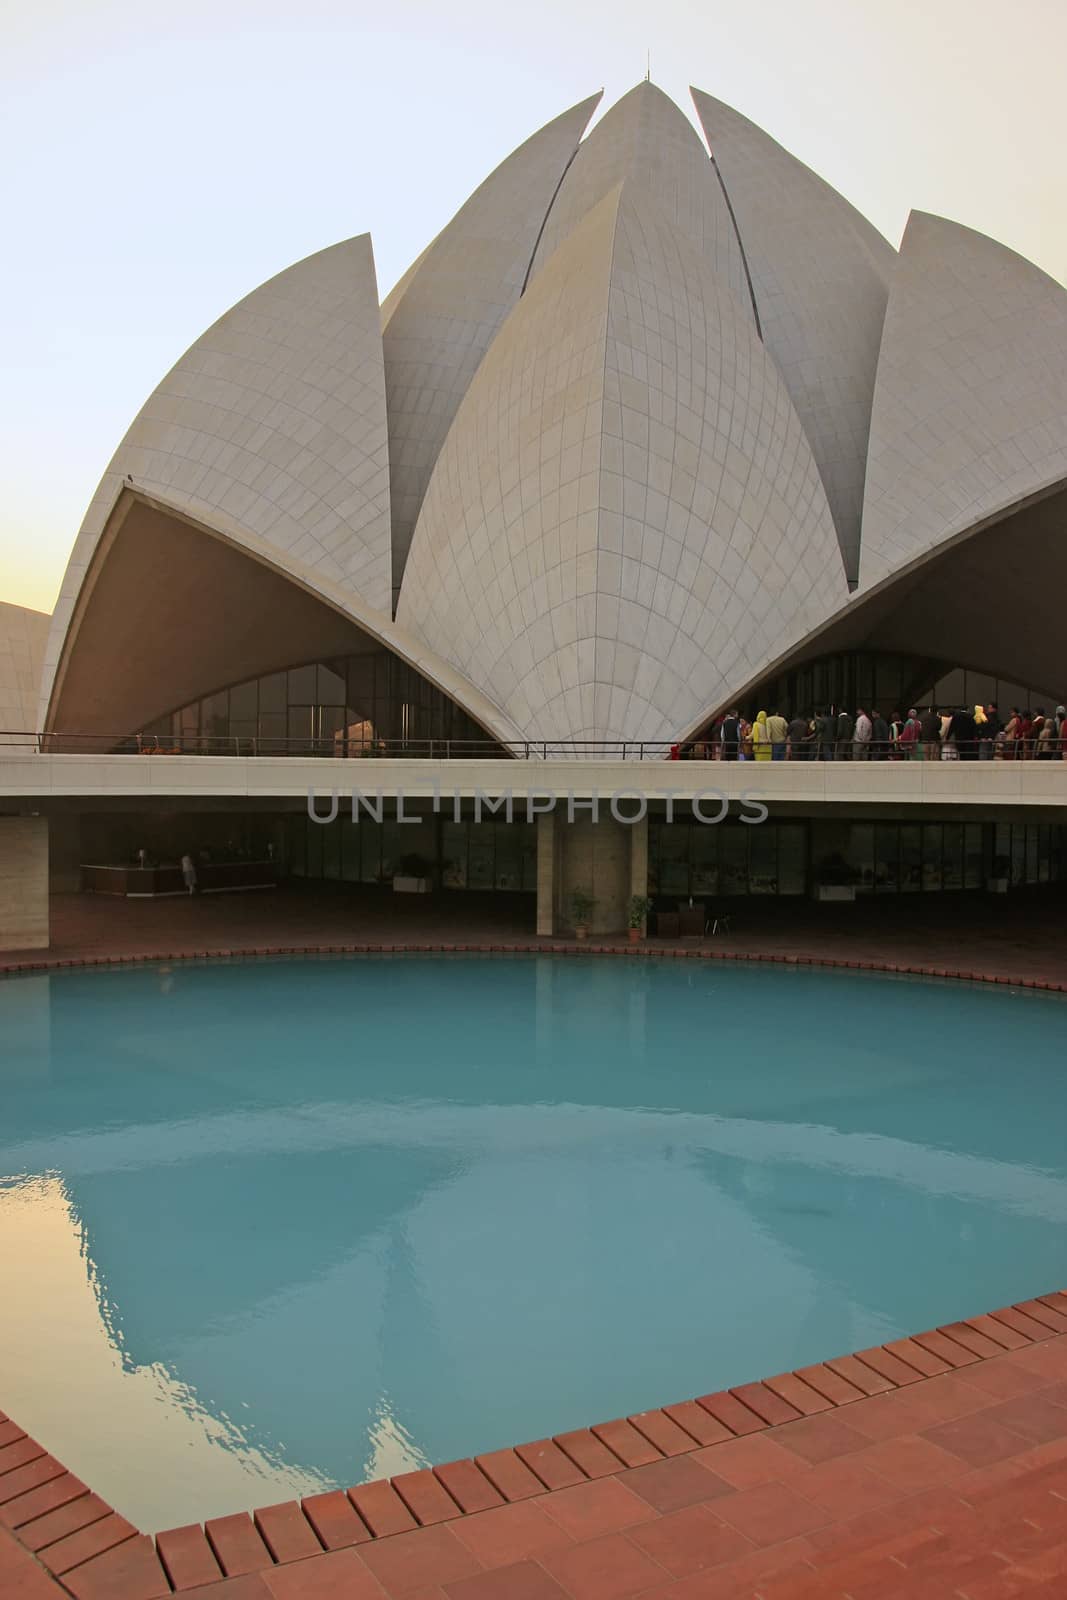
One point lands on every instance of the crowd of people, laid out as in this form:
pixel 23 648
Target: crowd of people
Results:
pixel 977 733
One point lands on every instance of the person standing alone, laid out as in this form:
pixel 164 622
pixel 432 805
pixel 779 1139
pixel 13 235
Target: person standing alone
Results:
pixel 189 873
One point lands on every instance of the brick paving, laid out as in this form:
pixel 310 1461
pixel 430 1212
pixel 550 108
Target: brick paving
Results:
pixel 927 1469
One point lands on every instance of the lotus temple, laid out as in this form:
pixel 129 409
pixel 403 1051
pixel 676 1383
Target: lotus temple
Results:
pixel 658 429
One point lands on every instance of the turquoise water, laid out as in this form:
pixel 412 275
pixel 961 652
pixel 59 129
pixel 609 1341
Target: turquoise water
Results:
pixel 269 1228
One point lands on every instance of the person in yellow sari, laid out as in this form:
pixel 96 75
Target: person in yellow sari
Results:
pixel 761 739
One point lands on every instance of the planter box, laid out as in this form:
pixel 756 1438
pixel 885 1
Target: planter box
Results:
pixel 997 885
pixel 412 885
pixel 835 891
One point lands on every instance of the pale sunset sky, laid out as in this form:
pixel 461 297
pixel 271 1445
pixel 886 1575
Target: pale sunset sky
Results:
pixel 161 160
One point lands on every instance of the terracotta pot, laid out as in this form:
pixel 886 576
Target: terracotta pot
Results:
pixel 635 935
pixel 580 931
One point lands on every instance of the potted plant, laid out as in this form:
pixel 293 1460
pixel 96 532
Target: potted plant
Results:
pixel 413 875
pixel 637 911
pixel 582 904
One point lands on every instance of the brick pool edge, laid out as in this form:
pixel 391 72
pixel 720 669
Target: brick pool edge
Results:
pixel 80 1546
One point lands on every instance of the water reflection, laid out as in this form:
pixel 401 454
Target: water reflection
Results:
pixel 281 1227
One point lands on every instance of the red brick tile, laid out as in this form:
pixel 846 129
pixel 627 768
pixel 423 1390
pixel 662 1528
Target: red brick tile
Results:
pixel 917 1356
pixel 509 1475
pixel 520 1532
pixel 757 1458
pixel 548 1462
pixel 728 1410
pixel 1033 1416
pixel 1050 1316
pixel 87 1543
pixel 765 1403
pixel 469 1488
pixel 128 1571
pixel 805 1400
pixel 335 1519
pixel 817 1439
pixel 425 1497
pixel 286 1531
pixel 1000 1333
pixel 237 1544
pixel 64 1520
pixel 1002 1379
pixel 770 1513
pixel 972 1339
pixel 691 1540
pixel 624 1441
pixel 1029 1327
pixel 36 1502
pixel 10 1433
pixel 844 1488
pixel 911 1462
pixel 332 1575
pixel 605 1506
pixel 1048 1360
pixel 21 1578
pixel 889 1366
pixel 610 1568
pixel 589 1453
pixel 681 1481
pixel 950 1350
pixel 381 1508
pixel 659 1429
pixel 31 1476
pixel 19 1454
pixel 187 1557
pixel 831 1384
pixel 860 1375
pixel 1057 1301
pixel 429 1555
pixel 523 1580
pixel 701 1426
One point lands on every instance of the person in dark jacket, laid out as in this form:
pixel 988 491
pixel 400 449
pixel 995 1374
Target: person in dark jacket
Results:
pixel 963 731
pixel 824 736
pixel 846 727
pixel 930 734
pixel 879 737
pixel 800 737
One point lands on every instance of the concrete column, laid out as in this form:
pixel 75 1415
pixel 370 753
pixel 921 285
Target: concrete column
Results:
pixel 23 883
pixel 595 856
pixel 639 861
pixel 547 873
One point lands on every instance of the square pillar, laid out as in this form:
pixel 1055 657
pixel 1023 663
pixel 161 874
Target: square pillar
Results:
pixel 24 883
pixel 639 861
pixel 547 873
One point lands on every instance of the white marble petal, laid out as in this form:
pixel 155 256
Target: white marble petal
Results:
pixel 970 404
pixel 626 520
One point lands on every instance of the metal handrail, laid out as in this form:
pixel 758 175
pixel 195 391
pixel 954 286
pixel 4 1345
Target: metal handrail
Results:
pixel 449 749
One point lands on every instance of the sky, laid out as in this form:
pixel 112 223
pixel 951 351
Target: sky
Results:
pixel 162 160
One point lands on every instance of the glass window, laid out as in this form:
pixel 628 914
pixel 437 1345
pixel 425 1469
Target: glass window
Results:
pixel 297 835
pixel 950 690
pixel 507 872
pixel 272 693
pixel 674 858
pixel 303 682
pixel 973 856
pixel 763 859
pixel 273 732
pixel 792 867
pixel 454 855
pixel 952 856
pixel 932 855
pixel 1031 854
pixel 886 858
pixel 351 850
pixel 480 856
pixel 370 835
pixel 315 831
pixel 244 702
pixel 704 860
pixel 214 714
pixel 861 856
pixel 911 859
pixel 1018 854
pixel 733 858
pixel 330 688
pixel 331 849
